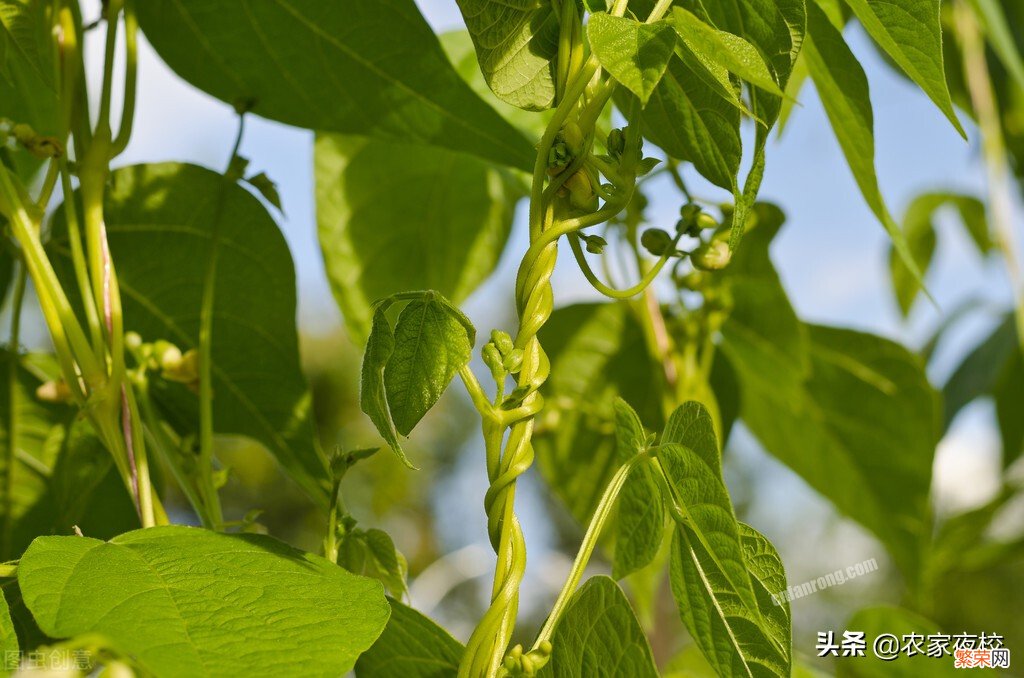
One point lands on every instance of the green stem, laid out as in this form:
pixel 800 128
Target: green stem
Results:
pixel 131 30
pixel 983 98
pixel 206 444
pixel 161 441
pixel 645 281
pixel 78 260
pixel 13 395
pixel 597 523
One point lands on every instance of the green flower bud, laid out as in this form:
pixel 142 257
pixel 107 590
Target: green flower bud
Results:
pixel 513 361
pixel 712 256
pixel 595 243
pixel 689 212
pixel 492 358
pixel 581 192
pixel 656 241
pixel 503 341
pixel 616 143
pixel 706 221
pixel 573 137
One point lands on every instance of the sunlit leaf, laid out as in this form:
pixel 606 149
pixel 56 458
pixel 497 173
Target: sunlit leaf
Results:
pixel 189 602
pixel 328 66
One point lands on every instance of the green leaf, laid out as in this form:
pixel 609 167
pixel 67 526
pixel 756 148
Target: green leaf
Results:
pixel 8 638
pixel 861 429
pixel 909 31
pixel 843 88
pixel 635 54
pixel 267 188
pixel 919 229
pixel 598 635
pixel 762 337
pixel 1009 397
pixel 516 44
pixel 432 343
pixel 406 370
pixel 597 352
pixel 164 222
pixel 731 51
pixel 993 369
pixel 1000 37
pixel 874 621
pixel 188 602
pixel 691 120
pixel 28 93
pixel 374 69
pixel 734 638
pixel 980 371
pixel 776 28
pixel 640 522
pixel 412 646
pixel 393 217
pixel 373 397
pixel 59 474
pixel 458 45
pixel 691 459
pixel 372 553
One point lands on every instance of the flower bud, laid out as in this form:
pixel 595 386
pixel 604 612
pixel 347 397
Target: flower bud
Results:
pixel 706 222
pixel 573 136
pixel 656 241
pixel 492 358
pixel 595 243
pixel 503 341
pixel 712 256
pixel 581 192
pixel 616 143
pixel 513 361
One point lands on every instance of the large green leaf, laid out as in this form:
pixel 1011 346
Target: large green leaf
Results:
pixel 909 31
pixel 58 474
pixel 861 430
pixel 516 44
pixel 405 370
pixel 635 54
pixel 692 462
pixel 164 222
pixel 730 51
pixel 919 228
pixel 371 68
pixel 776 29
pixel 735 639
pixel 598 635
pixel 1009 396
pixel 28 93
pixel 393 217
pixel 373 395
pixel 431 344
pixel 763 338
pixel 412 646
pixel 188 602
pixel 640 522
pixel 691 120
pixel 995 368
pixel 8 638
pixel 458 45
pixel 597 352
pixel 843 89
pixel 979 372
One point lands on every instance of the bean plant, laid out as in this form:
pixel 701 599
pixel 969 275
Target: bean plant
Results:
pixel 168 293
